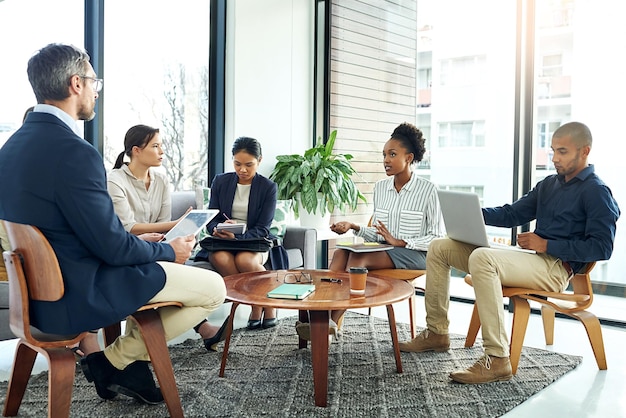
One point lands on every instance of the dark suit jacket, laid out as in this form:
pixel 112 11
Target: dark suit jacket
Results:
pixel 56 181
pixel 261 205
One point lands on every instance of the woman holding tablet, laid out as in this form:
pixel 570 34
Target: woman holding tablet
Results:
pixel 244 196
pixel 141 199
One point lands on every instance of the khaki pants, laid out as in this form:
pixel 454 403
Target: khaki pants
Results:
pixel 490 270
pixel 201 292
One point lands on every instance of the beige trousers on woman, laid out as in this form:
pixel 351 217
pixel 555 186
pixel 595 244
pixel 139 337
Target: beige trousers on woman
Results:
pixel 490 269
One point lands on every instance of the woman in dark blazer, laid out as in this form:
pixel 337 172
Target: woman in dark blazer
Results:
pixel 244 196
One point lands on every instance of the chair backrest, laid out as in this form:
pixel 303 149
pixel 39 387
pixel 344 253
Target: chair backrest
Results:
pixel 581 281
pixel 578 299
pixel 34 273
pixel 40 264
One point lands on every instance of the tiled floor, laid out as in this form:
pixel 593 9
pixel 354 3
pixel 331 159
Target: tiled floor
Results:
pixel 584 392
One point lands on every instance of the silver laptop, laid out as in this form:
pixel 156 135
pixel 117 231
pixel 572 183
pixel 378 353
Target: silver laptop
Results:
pixel 464 221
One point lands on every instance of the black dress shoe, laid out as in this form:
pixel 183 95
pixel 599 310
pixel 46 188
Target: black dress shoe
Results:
pixel 97 368
pixel 137 382
pixel 269 323
pixel 254 323
pixel 220 335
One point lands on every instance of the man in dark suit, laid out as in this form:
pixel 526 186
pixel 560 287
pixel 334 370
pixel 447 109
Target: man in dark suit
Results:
pixel 56 181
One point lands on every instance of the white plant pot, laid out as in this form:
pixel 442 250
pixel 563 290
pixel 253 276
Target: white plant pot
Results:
pixel 313 220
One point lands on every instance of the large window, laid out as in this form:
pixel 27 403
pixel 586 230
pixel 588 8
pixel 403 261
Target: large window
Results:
pixel 446 72
pixel 577 79
pixel 156 73
pixel 462 134
pixel 472 110
pixel 22 32
pixel 473 79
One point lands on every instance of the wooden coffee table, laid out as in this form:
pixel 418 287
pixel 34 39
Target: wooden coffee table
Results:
pixel 252 288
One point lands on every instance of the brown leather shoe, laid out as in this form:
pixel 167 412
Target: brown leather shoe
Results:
pixel 486 370
pixel 426 341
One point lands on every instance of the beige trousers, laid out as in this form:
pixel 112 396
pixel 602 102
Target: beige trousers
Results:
pixel 490 270
pixel 201 292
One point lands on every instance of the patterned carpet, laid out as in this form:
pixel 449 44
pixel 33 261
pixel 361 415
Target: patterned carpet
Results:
pixel 267 375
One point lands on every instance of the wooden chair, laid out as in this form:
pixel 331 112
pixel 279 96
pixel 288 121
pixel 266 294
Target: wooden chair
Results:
pixel 34 274
pixel 573 303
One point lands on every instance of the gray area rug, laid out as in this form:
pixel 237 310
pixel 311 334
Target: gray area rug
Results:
pixel 267 375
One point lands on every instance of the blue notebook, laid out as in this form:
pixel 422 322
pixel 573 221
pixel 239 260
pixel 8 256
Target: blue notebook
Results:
pixel 291 291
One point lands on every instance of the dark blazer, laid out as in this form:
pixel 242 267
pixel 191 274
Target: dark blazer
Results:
pixel 56 181
pixel 261 205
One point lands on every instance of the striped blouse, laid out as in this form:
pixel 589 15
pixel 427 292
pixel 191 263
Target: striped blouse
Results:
pixel 412 215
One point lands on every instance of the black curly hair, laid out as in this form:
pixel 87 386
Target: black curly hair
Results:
pixel 412 140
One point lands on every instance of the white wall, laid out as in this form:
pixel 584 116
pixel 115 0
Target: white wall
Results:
pixel 269 92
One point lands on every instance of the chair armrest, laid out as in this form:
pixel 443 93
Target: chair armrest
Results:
pixel 304 239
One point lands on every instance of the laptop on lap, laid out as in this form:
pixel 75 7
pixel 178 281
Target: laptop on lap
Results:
pixel 464 221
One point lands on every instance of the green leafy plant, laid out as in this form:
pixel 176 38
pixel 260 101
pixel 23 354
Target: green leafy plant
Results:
pixel 317 171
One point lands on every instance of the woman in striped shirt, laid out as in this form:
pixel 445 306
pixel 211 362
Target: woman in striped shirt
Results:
pixel 406 215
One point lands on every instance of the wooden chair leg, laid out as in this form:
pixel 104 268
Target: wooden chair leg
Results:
pixel 594 332
pixel 520 322
pixel 474 326
pixel 151 328
pixel 22 368
pixel 302 315
pixel 412 314
pixel 394 337
pixel 111 332
pixel 62 369
pixel 547 315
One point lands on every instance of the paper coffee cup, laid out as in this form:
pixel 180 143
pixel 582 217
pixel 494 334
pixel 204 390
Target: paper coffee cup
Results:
pixel 358 280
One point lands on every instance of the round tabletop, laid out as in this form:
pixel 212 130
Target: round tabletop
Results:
pixel 252 288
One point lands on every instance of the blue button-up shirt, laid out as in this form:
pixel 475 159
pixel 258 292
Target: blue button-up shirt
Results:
pixel 578 218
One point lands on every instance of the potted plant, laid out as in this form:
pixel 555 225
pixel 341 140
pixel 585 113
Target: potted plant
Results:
pixel 319 180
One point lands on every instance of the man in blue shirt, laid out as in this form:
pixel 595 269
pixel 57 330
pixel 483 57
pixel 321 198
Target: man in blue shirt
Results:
pixel 576 219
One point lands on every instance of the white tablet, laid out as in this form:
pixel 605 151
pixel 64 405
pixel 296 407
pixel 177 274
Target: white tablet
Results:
pixel 192 223
pixel 234 228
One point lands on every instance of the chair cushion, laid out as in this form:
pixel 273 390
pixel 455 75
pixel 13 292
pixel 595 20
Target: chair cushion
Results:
pixel 203 195
pixel 283 216
pixel 295 257
pixel 181 201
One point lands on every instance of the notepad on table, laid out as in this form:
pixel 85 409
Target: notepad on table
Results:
pixel 291 291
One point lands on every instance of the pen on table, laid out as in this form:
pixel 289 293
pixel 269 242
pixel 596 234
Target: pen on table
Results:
pixel 328 279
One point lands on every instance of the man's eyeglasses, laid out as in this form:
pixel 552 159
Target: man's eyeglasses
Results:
pixel 97 82
pixel 296 278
